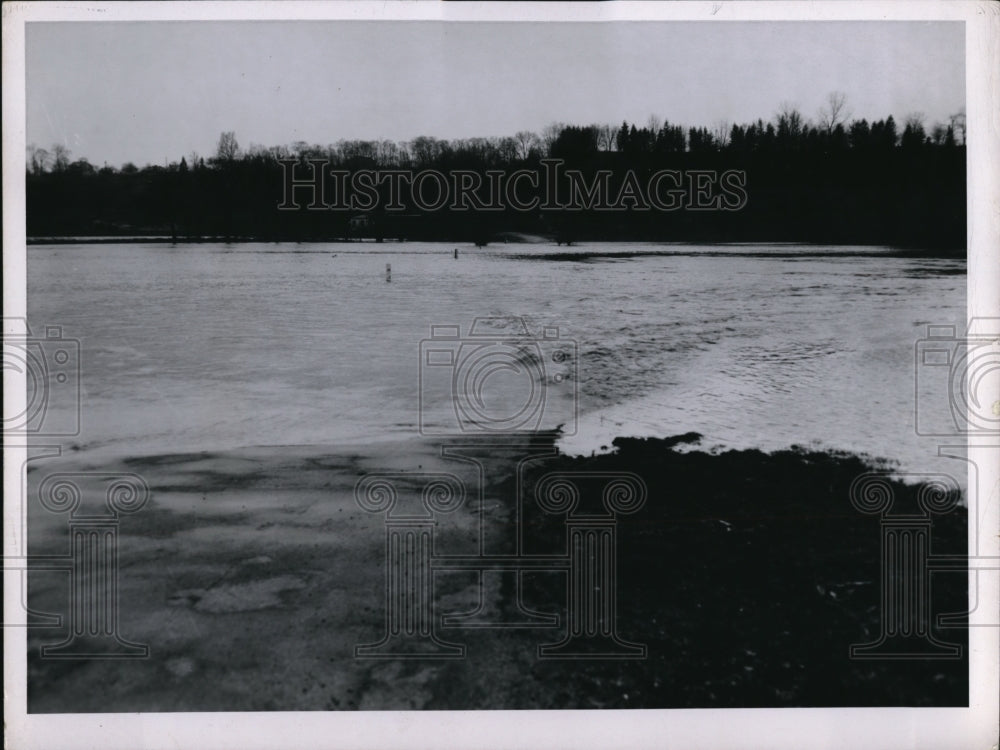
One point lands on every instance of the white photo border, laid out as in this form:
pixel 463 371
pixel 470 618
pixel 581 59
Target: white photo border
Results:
pixel 972 727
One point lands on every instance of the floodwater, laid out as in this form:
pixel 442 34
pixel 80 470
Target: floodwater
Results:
pixel 215 347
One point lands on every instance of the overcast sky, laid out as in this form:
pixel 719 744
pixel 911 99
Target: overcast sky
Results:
pixel 149 92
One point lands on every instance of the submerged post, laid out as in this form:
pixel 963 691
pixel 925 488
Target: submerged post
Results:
pixel 456 252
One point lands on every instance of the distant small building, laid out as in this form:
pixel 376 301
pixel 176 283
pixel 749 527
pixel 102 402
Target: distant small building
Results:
pixel 361 221
pixel 388 225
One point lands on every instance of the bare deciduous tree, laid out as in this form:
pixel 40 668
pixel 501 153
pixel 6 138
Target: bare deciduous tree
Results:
pixel 721 132
pixel 939 134
pixel 957 122
pixel 60 157
pixel 38 159
pixel 606 137
pixel 425 149
pixel 228 149
pixel 834 112
pixel 526 141
pixel 507 149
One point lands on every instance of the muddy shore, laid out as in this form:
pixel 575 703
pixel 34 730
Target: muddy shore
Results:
pixel 253 575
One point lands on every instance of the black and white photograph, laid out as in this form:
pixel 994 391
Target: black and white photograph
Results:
pixel 587 369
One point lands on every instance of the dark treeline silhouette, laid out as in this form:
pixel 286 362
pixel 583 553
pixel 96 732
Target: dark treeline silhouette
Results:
pixel 832 181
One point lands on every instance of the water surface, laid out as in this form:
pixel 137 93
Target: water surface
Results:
pixel 212 346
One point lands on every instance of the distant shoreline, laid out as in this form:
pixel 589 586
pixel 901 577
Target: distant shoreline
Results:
pixel 893 251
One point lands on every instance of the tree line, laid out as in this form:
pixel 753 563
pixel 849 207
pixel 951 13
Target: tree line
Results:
pixel 831 180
